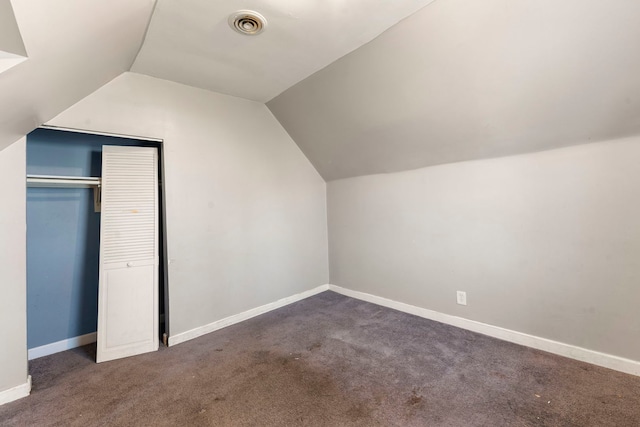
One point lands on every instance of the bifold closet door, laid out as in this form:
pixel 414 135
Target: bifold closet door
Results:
pixel 128 288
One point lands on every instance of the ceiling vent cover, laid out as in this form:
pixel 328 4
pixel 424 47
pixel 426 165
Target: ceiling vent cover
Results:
pixel 247 22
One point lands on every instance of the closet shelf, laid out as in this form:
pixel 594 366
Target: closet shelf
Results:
pixel 63 181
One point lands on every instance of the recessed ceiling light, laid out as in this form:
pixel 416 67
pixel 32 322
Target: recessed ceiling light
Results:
pixel 247 22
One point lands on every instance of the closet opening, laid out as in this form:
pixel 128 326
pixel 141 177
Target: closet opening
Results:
pixel 65 266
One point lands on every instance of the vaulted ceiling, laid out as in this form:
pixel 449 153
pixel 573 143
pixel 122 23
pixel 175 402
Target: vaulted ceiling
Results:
pixel 190 42
pixel 462 80
pixel 73 48
pixel 362 86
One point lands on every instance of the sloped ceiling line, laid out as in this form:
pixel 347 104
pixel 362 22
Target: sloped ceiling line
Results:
pixel 463 80
pixel 190 41
pixel 75 47
pixel 12 51
pixel 452 81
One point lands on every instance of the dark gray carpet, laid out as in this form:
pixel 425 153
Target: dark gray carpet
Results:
pixel 328 361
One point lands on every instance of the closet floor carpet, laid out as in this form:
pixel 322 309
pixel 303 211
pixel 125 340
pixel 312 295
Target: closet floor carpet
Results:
pixel 328 360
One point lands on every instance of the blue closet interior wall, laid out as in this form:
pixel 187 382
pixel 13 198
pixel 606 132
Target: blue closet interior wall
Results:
pixel 63 233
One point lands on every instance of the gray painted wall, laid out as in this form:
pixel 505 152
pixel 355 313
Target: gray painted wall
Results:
pixel 13 282
pixel 246 211
pixel 546 244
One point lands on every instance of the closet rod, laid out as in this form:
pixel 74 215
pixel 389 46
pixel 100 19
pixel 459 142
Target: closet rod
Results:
pixel 62 181
pixel 69 182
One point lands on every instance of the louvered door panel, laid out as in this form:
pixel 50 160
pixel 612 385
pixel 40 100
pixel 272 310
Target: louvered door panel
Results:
pixel 128 294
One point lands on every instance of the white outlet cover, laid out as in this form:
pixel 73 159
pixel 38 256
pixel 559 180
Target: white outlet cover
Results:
pixel 461 297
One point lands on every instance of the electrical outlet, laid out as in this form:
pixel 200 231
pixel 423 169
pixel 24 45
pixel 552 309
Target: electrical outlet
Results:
pixel 462 297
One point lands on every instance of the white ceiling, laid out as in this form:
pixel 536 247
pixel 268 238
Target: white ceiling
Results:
pixel 73 47
pixel 462 80
pixel 190 42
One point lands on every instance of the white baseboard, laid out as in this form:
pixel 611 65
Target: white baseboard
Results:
pixel 236 318
pixel 578 353
pixel 15 393
pixel 63 345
